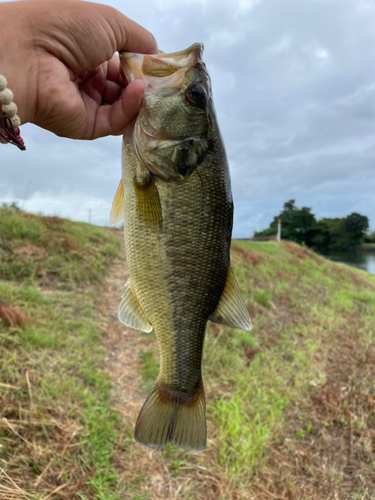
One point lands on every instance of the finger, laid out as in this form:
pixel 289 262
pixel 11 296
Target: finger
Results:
pixel 113 69
pixel 112 92
pixel 129 35
pixel 112 120
pixel 84 35
pixel 99 87
pixel 94 86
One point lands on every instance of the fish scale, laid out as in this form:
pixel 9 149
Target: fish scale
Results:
pixel 178 211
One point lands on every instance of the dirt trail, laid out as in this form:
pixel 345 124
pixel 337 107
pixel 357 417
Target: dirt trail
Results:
pixel 140 470
pixel 122 345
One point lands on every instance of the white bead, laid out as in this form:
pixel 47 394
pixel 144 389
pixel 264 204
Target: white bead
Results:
pixel 16 121
pixel 9 109
pixel 3 82
pixel 6 96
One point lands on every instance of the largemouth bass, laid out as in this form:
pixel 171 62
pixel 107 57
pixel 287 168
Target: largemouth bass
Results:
pixel 176 202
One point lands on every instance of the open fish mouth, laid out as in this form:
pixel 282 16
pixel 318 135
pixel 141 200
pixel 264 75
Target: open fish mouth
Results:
pixel 174 116
pixel 169 67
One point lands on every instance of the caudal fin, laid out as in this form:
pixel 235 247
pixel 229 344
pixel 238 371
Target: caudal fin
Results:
pixel 172 417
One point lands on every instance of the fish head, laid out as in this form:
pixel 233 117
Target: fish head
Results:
pixel 171 133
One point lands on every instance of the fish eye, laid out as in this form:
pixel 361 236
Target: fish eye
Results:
pixel 196 96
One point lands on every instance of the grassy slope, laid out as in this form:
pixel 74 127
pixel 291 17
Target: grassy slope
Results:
pixel 290 405
pixel 57 428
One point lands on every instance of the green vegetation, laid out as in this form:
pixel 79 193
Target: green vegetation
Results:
pixel 369 239
pixel 149 367
pixel 58 427
pixel 304 310
pixel 290 405
pixel 51 250
pixel 301 226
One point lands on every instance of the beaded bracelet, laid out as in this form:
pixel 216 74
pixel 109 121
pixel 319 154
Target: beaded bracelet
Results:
pixel 9 120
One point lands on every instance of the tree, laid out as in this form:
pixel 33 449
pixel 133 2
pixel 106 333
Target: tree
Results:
pixel 370 238
pixel 300 225
pixel 296 223
pixel 356 226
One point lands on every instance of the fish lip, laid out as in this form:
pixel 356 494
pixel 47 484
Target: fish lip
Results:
pixel 159 71
pixel 198 46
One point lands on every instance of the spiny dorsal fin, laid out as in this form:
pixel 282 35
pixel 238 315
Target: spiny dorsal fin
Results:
pixel 129 311
pixel 117 211
pixel 148 202
pixel 231 310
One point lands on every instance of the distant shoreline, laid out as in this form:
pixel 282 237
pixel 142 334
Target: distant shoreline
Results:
pixel 364 248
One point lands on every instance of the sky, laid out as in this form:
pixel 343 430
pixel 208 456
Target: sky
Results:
pixel 294 90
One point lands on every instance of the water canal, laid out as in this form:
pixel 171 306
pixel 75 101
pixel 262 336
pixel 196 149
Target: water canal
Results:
pixel 362 260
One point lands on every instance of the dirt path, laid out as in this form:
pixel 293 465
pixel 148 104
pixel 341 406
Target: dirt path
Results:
pixel 122 345
pixel 141 471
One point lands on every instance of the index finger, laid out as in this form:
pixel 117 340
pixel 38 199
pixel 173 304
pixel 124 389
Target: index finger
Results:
pixel 129 35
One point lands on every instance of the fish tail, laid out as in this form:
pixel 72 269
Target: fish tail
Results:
pixel 170 416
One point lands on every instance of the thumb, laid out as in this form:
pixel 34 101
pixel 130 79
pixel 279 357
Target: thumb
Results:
pixel 112 120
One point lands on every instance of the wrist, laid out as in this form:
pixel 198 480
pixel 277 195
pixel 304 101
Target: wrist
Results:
pixel 16 62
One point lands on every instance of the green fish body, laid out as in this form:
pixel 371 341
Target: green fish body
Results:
pixel 178 213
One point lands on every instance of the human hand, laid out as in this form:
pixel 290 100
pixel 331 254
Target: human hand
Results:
pixel 58 58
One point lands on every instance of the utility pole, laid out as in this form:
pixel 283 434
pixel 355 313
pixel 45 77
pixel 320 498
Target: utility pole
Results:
pixel 278 237
pixel 89 211
pixel 26 193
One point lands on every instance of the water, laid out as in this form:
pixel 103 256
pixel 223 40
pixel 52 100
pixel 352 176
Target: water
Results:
pixel 362 260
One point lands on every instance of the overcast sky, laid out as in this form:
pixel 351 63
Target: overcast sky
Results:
pixel 294 90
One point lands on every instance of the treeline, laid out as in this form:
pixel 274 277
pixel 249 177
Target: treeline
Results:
pixel 301 226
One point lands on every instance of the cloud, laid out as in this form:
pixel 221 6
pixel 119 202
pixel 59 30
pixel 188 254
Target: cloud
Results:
pixel 294 90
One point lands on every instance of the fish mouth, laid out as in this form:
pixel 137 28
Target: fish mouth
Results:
pixel 152 68
pixel 195 50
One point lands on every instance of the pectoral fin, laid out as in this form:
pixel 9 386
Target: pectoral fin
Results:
pixel 231 310
pixel 148 202
pixel 117 211
pixel 129 311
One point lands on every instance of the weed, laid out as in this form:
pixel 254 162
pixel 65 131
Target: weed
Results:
pixel 149 368
pixel 262 297
pixel 51 373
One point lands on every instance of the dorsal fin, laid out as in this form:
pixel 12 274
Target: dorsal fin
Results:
pixel 117 210
pixel 231 310
pixel 130 312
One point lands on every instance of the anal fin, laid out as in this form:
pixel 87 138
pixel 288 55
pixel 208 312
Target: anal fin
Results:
pixel 129 311
pixel 231 310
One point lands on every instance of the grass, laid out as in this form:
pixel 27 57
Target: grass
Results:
pixel 259 385
pixel 58 427
pixel 52 250
pixel 290 405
